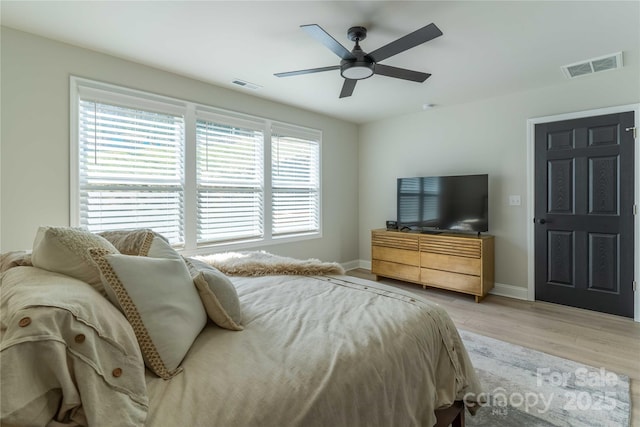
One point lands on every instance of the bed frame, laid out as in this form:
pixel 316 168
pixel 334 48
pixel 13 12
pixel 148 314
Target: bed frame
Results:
pixel 452 416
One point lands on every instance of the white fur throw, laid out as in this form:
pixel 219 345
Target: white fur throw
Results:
pixel 261 263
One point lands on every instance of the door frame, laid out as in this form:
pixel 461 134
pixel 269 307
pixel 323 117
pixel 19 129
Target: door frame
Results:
pixel 531 190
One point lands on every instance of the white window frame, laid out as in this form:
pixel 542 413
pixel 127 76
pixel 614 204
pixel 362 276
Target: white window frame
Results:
pixel 191 111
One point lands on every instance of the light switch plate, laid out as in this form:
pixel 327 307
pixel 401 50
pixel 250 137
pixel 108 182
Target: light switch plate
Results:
pixel 514 200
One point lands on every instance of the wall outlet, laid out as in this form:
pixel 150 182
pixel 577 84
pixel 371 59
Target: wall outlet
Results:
pixel 514 200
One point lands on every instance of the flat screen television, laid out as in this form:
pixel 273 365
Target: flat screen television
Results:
pixel 444 203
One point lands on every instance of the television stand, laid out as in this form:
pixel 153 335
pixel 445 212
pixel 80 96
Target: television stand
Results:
pixel 431 232
pixel 457 262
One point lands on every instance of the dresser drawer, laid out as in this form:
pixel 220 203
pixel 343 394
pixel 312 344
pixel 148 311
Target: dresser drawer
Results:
pixel 400 256
pixel 453 281
pixel 395 239
pixel 447 245
pixel 396 271
pixel 454 264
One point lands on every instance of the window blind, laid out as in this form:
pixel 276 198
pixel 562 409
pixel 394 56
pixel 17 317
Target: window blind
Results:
pixel 197 174
pixel 295 178
pixel 230 182
pixel 131 169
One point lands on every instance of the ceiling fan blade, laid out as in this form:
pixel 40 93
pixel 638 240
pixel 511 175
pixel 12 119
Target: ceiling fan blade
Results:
pixel 309 71
pixel 348 87
pixel 401 73
pixel 414 39
pixel 323 37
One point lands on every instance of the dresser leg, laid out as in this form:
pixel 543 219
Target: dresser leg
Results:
pixel 479 298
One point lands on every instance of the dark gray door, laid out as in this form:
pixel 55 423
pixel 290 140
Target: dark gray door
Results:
pixel 584 190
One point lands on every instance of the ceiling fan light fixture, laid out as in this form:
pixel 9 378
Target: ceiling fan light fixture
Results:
pixel 357 70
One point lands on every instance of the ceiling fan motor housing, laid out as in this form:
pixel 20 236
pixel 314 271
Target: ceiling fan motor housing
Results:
pixel 356 34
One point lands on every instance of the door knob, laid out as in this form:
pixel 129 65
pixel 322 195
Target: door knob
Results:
pixel 540 221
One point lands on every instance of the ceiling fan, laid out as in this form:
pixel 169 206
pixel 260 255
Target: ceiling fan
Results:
pixel 358 65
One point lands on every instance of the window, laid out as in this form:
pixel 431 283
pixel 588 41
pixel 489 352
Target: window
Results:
pixel 199 175
pixel 131 169
pixel 295 182
pixel 230 182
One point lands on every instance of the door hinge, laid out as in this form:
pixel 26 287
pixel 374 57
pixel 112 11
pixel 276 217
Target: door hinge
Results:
pixel 635 136
pixel 635 285
pixel 635 209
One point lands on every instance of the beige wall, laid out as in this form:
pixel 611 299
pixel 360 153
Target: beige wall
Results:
pixel 34 164
pixel 481 137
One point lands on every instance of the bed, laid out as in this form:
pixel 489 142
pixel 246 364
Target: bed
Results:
pixel 312 350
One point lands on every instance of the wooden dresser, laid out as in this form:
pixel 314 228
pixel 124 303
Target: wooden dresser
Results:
pixel 457 262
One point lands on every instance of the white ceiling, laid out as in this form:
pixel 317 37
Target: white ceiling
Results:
pixel 488 48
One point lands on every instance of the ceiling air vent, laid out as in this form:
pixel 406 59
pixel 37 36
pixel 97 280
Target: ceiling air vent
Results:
pixel 594 65
pixel 245 84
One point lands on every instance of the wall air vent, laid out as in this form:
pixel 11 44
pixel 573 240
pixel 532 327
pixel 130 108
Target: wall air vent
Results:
pixel 245 84
pixel 594 65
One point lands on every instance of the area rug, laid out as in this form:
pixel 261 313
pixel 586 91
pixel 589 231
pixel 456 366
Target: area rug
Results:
pixel 529 388
pixel 261 263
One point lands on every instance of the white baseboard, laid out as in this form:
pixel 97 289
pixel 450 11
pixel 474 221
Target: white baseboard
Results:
pixel 511 291
pixel 363 264
pixel 501 289
pixel 352 265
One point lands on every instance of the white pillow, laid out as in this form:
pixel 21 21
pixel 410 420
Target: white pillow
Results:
pixel 157 296
pixel 155 246
pixel 64 250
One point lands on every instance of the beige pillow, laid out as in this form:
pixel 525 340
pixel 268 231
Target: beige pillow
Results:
pixel 131 242
pixel 220 299
pixel 218 294
pixel 157 296
pixel 64 250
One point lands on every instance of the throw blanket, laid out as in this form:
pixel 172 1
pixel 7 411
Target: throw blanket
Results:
pixel 261 263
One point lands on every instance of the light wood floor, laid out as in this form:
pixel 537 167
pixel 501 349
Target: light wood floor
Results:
pixel 595 339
